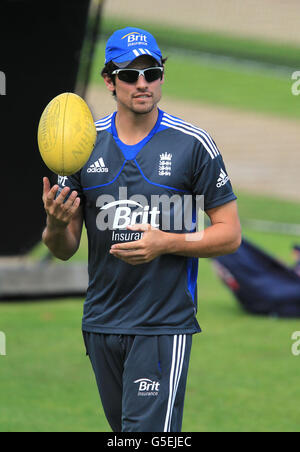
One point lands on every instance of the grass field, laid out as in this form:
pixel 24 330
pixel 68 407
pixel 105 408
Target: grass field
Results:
pixel 243 376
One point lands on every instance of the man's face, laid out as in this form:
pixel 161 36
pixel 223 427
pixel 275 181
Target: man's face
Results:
pixel 140 97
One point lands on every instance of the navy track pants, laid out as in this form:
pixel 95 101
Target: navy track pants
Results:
pixel 141 379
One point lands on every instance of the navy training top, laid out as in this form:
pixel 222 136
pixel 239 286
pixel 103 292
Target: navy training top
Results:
pixel 157 181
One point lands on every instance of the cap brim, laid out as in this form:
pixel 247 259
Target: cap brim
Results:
pixel 124 60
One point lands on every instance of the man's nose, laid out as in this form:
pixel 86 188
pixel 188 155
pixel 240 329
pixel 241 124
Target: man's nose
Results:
pixel 141 82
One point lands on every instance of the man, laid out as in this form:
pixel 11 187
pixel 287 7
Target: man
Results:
pixel 140 310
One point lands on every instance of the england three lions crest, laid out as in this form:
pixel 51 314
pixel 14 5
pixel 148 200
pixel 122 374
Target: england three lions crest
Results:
pixel 165 164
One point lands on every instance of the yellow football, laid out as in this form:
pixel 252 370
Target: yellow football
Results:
pixel 66 134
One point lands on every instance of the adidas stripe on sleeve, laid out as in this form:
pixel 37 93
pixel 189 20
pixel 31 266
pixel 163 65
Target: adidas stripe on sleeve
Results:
pixel 201 135
pixel 210 177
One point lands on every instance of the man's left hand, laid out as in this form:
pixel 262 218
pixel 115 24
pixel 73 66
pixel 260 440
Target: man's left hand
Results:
pixel 142 251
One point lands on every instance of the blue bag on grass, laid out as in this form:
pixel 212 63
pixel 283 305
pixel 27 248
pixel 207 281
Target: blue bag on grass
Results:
pixel 261 283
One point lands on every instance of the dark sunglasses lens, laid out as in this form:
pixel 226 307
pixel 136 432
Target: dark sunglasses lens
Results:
pixel 131 76
pixel 128 76
pixel 153 74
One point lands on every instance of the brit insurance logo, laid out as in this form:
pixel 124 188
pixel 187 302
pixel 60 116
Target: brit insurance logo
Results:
pixel 170 213
pixel 123 216
pixel 135 38
pixel 148 388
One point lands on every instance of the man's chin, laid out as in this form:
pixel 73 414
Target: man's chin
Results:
pixel 143 109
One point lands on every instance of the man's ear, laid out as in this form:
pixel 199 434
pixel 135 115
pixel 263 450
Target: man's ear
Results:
pixel 109 83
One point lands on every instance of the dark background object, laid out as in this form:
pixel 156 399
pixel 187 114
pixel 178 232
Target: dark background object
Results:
pixel 41 44
pixel 262 284
pixel 93 33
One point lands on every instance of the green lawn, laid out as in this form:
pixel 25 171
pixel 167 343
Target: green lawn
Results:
pixel 243 376
pixel 230 86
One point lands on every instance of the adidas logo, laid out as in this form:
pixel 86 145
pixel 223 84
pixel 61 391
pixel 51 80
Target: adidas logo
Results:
pixel 98 167
pixel 223 179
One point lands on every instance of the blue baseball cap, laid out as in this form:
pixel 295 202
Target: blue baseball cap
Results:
pixel 127 44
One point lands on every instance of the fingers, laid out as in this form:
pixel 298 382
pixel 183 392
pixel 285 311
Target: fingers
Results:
pixel 127 246
pixel 70 201
pixel 59 207
pixel 126 253
pixel 50 197
pixel 61 199
pixel 132 260
pixel 71 205
pixel 48 192
pixel 46 186
pixel 132 256
pixel 75 206
pixel 140 227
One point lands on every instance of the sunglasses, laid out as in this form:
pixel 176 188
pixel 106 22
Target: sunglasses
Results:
pixel 132 75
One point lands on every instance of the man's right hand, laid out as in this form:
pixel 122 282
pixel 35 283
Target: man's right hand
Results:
pixel 59 213
pixel 64 221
